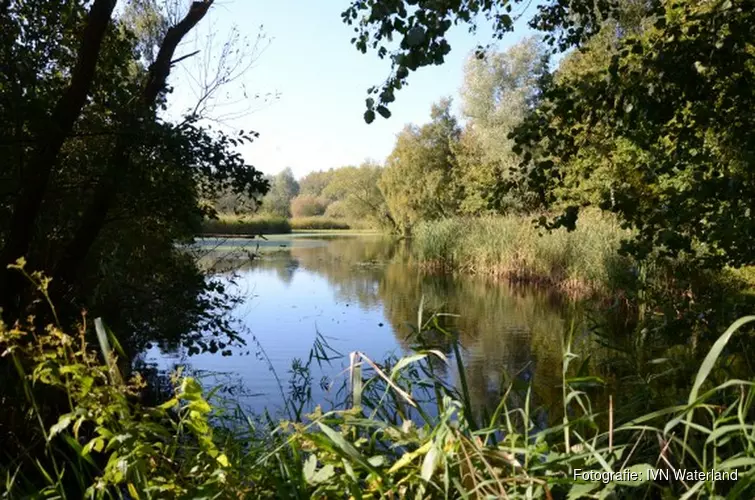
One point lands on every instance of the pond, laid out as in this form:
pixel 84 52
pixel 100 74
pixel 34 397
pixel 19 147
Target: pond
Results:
pixel 363 293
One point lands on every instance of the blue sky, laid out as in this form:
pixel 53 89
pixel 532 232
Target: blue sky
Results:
pixel 322 80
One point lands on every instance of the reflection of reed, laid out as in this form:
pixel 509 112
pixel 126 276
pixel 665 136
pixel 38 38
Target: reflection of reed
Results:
pixel 505 331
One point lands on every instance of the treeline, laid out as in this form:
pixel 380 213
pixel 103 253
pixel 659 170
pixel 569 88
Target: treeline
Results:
pixel 436 170
pixel 340 196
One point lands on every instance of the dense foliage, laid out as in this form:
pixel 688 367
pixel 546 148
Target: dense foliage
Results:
pixel 661 134
pixel 97 188
pixel 417 181
pixel 648 119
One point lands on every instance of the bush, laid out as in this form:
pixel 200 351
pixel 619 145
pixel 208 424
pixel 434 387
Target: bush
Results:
pixel 306 205
pixel 337 210
pixel 231 225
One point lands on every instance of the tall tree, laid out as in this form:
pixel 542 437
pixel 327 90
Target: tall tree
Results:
pixel 418 179
pixel 315 182
pixel 97 190
pixel 283 189
pixel 662 134
pixel 421 29
pixel 49 140
pixel 357 192
pixel 499 90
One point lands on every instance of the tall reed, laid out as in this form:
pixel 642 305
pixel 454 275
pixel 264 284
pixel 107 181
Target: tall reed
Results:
pixel 231 225
pixel 513 247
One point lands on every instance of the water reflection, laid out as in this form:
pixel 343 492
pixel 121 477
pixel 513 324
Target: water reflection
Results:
pixel 363 293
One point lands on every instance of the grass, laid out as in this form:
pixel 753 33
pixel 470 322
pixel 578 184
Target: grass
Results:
pixel 326 223
pixel 400 431
pixel 233 225
pixel 512 247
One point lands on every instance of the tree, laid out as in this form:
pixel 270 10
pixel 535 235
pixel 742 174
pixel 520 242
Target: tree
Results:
pixel 499 90
pixel 98 191
pixel 306 205
pixel 315 182
pixel 357 192
pixel 421 30
pixel 418 179
pixel 283 189
pixel 667 130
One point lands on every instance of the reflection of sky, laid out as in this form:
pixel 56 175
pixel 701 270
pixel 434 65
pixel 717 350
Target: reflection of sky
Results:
pixel 284 317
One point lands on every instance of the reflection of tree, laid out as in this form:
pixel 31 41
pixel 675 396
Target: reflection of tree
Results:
pixel 504 331
pixel 284 268
pixel 352 266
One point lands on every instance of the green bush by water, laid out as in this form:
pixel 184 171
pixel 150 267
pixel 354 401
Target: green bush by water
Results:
pixel 513 247
pixel 232 225
pixel 246 226
pixel 319 222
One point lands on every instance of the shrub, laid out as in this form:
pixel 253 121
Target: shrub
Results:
pixel 303 223
pixel 306 205
pixel 337 210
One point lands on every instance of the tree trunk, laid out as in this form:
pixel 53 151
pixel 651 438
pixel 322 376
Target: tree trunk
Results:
pixel 34 184
pixel 95 216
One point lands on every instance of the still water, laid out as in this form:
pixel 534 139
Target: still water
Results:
pixel 363 293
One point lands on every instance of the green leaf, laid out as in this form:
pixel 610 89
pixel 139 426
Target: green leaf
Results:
pixel 63 422
pixel 309 468
pixel 384 112
pixel 324 474
pixel 345 447
pixel 581 490
pixel 705 369
pixel 369 116
pixel 429 463
pixel 643 472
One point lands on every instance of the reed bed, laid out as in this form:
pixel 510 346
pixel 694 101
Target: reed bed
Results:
pixel 232 225
pixel 585 260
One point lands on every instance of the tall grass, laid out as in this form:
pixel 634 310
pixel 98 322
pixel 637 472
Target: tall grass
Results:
pixel 513 247
pixel 319 222
pixel 323 223
pixel 401 431
pixel 232 225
